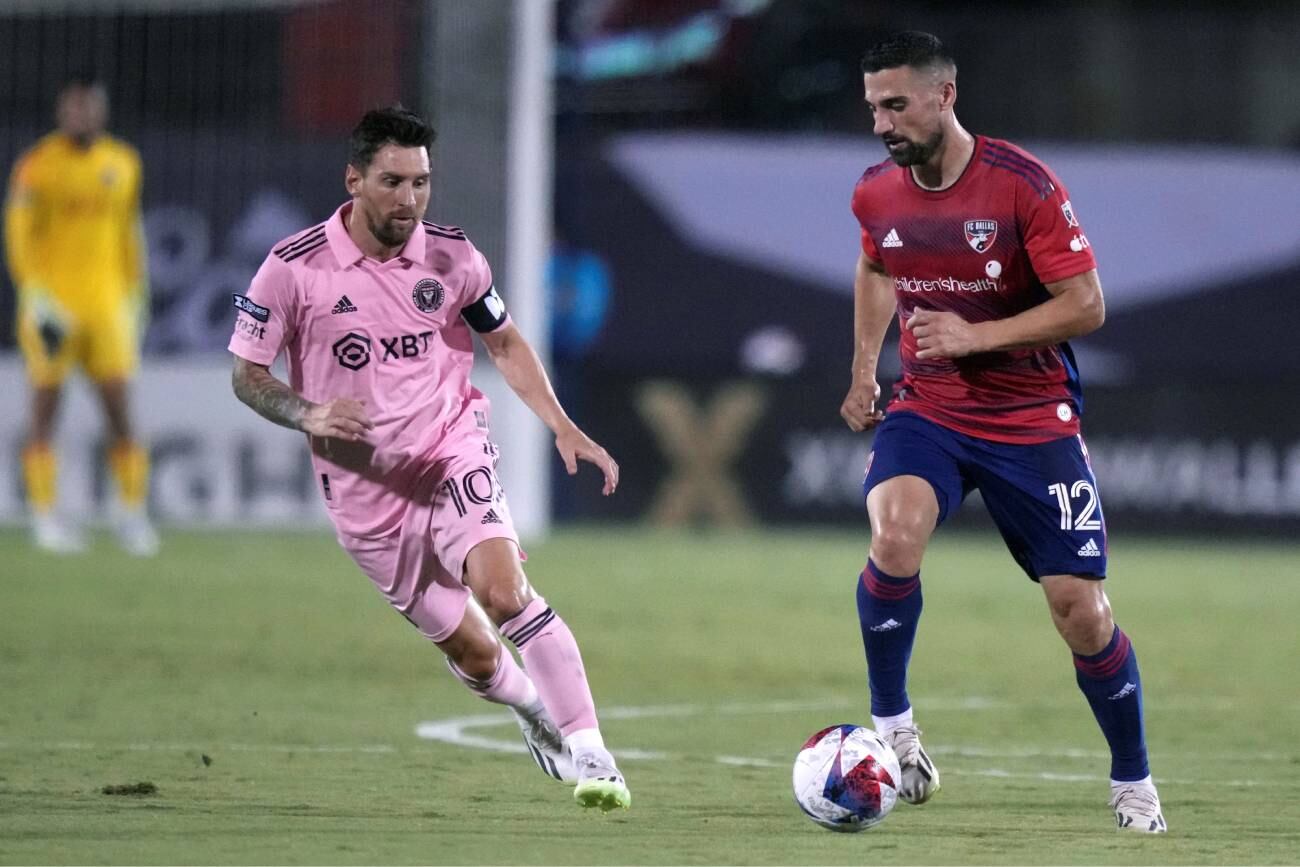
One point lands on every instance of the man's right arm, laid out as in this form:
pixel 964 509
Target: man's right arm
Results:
pixel 275 401
pixel 20 224
pixel 873 310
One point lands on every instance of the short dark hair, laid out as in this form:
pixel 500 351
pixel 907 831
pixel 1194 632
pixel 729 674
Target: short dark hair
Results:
pixel 914 48
pixel 82 78
pixel 391 125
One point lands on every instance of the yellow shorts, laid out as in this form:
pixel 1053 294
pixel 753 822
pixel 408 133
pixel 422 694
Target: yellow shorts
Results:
pixel 104 344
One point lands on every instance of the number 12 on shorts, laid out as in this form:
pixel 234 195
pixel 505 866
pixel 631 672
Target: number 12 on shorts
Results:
pixel 1066 494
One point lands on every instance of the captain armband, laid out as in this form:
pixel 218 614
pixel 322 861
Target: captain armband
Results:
pixel 487 313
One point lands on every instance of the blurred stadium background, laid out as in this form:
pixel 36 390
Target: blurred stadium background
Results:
pixel 663 189
pixel 682 242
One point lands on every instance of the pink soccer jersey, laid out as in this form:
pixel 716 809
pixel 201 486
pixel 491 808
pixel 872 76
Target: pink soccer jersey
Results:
pixel 394 335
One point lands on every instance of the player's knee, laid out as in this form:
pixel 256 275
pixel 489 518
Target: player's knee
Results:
pixel 1082 615
pixel 503 596
pixel 896 548
pixel 476 660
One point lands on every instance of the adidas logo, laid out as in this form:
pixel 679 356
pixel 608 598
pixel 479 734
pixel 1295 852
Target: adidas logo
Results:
pixel 889 624
pixel 1127 690
pixel 892 239
pixel 490 517
pixel 345 305
pixel 1090 549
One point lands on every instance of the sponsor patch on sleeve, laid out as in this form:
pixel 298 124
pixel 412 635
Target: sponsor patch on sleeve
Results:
pixel 252 308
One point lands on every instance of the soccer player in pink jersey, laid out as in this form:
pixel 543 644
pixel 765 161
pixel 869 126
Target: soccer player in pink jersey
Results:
pixel 374 311
pixel 976 246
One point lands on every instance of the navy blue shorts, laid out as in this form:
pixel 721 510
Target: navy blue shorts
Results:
pixel 1043 497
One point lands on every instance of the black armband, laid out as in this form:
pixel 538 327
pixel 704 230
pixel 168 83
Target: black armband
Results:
pixel 487 313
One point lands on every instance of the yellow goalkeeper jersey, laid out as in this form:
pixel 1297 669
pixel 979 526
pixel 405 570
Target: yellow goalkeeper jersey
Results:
pixel 72 223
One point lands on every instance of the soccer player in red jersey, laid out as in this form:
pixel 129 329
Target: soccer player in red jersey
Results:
pixel 975 245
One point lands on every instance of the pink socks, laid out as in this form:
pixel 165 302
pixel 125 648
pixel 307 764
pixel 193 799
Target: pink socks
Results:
pixel 554 663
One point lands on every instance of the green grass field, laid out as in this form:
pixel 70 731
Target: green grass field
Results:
pixel 272 698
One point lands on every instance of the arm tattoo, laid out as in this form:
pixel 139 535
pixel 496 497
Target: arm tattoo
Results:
pixel 268 396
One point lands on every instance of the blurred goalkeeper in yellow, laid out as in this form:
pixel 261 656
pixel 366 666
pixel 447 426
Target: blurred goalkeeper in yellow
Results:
pixel 77 258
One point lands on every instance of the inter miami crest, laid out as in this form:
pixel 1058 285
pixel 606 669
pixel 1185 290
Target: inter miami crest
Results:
pixel 427 295
pixel 981 234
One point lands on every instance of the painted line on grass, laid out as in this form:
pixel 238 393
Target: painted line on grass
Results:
pixel 86 746
pixel 457 732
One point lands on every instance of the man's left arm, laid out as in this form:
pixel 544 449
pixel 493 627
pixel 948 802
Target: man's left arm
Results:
pixel 1075 308
pixel 524 373
pixel 135 257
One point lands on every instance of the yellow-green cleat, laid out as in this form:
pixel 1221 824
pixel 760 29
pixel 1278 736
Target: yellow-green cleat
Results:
pixel 600 784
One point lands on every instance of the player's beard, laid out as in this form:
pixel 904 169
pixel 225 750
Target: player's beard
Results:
pixel 916 153
pixel 389 233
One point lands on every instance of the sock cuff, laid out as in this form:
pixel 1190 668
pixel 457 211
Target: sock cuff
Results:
pixel 1106 663
pixel 888 587
pixel 474 683
pixel 521 628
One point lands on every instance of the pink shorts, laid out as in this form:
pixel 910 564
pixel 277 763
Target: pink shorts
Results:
pixel 420 567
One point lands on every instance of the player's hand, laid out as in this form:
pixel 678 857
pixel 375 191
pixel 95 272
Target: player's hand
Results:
pixel 940 334
pixel 138 308
pixel 341 418
pixel 573 444
pixel 46 314
pixel 859 407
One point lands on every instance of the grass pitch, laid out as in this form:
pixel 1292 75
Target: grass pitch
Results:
pixel 259 703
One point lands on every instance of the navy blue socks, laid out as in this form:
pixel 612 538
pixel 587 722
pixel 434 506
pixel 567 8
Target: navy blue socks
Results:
pixel 1110 682
pixel 889 609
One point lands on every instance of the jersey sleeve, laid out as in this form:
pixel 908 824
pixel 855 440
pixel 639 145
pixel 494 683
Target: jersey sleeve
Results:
pixel 481 306
pixel 21 219
pixel 1054 240
pixel 134 256
pixel 267 317
pixel 860 209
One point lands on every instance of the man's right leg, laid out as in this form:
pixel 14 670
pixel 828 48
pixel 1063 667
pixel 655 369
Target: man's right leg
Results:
pixel 903 512
pixel 913 479
pixel 40 473
pixel 48 353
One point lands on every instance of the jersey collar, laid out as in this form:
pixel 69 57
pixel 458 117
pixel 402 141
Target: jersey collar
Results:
pixel 346 252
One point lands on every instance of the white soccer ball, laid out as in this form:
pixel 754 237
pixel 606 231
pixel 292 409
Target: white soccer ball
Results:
pixel 846 778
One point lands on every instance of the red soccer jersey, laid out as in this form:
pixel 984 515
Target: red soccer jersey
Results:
pixel 983 248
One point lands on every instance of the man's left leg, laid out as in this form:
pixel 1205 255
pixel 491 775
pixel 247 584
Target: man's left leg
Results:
pixel 1106 670
pixel 1044 499
pixel 128 461
pixel 112 359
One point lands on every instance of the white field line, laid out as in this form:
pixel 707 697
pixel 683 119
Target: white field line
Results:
pixel 455 731
pixel 460 731
pixel 88 746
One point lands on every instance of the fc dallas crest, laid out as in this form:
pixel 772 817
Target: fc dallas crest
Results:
pixel 981 234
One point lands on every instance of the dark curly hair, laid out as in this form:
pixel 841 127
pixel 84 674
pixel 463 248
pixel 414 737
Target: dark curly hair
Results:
pixel 392 125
